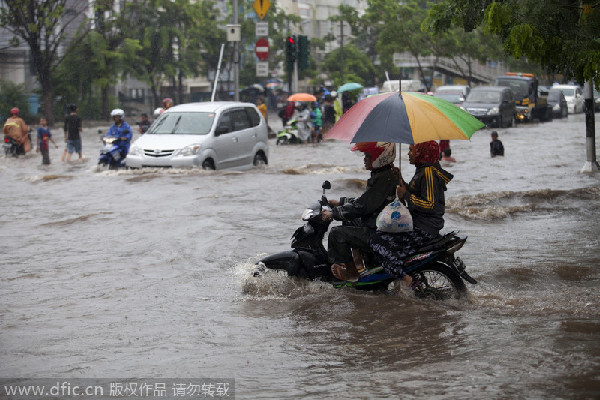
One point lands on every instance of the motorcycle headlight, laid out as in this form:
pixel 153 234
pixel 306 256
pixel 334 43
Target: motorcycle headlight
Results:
pixel 493 110
pixel 190 150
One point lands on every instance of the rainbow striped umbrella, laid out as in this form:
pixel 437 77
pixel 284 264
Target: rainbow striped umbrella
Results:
pixel 404 117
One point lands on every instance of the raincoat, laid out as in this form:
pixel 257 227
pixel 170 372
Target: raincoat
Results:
pixel 17 129
pixel 124 130
pixel 304 124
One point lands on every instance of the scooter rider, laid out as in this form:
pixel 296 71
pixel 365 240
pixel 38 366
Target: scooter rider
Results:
pixel 120 129
pixel 359 214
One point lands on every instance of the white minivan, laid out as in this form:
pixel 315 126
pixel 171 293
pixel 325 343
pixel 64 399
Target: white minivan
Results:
pixel 574 96
pixel 211 135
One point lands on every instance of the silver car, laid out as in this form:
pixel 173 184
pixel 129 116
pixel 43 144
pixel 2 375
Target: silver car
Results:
pixel 211 135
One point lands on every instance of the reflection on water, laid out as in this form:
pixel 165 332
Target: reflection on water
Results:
pixel 147 273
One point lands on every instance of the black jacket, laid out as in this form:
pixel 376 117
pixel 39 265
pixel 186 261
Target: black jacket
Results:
pixel 380 191
pixel 425 197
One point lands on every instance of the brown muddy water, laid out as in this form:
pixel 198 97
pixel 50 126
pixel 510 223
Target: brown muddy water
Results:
pixel 146 273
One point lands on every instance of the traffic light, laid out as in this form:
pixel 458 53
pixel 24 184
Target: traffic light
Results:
pixel 290 51
pixel 303 52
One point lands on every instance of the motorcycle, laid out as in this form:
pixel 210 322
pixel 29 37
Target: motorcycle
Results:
pixel 289 134
pixel 12 148
pixel 436 272
pixel 111 153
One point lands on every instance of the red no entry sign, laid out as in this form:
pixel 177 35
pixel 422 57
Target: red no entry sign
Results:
pixel 262 49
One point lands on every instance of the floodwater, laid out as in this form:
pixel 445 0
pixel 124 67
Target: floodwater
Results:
pixel 146 273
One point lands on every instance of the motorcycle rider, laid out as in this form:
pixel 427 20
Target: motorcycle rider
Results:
pixel 359 214
pixel 17 129
pixel 120 129
pixel 424 197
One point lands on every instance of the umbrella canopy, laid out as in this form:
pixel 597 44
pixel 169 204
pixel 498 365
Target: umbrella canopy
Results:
pixel 349 86
pixel 302 97
pixel 401 117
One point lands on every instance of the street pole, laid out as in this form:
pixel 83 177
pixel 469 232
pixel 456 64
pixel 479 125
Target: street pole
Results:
pixel 342 49
pixel 236 58
pixel 591 165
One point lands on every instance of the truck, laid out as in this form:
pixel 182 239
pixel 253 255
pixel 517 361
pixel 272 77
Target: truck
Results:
pixel 530 100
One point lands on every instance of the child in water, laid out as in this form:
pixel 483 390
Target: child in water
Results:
pixel 496 147
pixel 43 137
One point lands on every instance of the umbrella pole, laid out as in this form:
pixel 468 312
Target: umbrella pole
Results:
pixel 400 161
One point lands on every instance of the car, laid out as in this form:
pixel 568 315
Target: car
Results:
pixel 556 99
pixel 596 100
pixel 455 94
pixel 574 96
pixel 211 135
pixel 493 105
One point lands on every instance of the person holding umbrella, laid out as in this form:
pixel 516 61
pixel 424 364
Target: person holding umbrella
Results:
pixel 424 197
pixel 359 214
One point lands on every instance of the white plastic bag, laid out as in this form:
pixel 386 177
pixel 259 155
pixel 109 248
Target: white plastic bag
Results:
pixel 395 218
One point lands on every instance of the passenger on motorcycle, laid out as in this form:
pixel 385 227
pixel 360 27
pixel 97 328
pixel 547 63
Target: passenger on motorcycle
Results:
pixel 17 129
pixel 120 129
pixel 424 197
pixel 359 214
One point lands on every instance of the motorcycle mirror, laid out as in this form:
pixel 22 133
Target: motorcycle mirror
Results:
pixel 99 131
pixel 326 185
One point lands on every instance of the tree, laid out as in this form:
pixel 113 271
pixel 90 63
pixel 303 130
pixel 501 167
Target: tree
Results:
pixel 360 65
pixel 563 36
pixel 43 25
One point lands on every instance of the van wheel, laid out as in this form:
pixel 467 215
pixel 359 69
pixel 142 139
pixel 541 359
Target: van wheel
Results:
pixel 260 159
pixel 208 164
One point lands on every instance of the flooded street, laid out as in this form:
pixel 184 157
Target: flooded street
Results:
pixel 146 273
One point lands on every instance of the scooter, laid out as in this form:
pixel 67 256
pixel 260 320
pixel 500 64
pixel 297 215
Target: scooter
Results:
pixel 289 134
pixel 435 270
pixel 12 148
pixel 111 153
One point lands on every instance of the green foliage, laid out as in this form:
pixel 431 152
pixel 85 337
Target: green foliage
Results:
pixel 13 95
pixel 357 66
pixel 560 35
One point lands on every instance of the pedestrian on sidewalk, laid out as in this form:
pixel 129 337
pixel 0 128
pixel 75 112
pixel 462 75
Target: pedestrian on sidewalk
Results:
pixel 43 137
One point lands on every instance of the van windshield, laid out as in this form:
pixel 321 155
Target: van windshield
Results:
pixel 182 123
pixel 484 97
pixel 568 92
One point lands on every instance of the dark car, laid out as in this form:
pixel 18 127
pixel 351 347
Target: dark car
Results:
pixel 493 105
pixel 556 99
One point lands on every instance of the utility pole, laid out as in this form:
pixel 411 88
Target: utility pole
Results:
pixel 342 49
pixel 236 58
pixel 591 165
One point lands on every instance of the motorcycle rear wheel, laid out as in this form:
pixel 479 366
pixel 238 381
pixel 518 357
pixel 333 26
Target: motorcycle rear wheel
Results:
pixel 438 282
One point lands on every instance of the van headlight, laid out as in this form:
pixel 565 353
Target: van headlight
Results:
pixel 190 150
pixel 493 110
pixel 136 151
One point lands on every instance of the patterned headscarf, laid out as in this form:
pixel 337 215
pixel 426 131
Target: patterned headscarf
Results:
pixel 426 153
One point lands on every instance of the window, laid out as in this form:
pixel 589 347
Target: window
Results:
pixel 253 115
pixel 183 123
pixel 239 120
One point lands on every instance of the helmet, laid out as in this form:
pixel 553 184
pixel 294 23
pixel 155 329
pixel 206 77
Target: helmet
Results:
pixel 14 111
pixel 167 102
pixel 117 111
pixel 382 153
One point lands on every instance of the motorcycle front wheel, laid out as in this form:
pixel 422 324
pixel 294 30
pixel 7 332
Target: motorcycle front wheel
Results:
pixel 438 282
